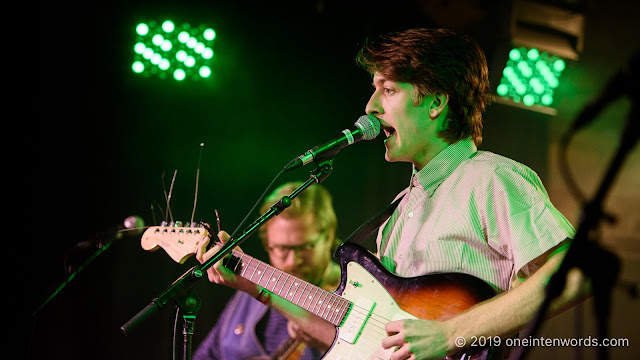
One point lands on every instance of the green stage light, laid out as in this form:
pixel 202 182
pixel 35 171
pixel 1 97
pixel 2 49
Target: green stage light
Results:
pixel 137 67
pixel 530 77
pixel 170 50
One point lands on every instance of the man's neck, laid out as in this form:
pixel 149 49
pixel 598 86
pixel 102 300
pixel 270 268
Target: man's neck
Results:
pixel 431 151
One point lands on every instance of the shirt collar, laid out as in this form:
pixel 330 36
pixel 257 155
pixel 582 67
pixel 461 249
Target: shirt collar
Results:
pixel 441 166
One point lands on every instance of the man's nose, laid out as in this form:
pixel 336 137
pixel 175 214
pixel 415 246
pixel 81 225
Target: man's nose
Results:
pixel 293 258
pixel 373 106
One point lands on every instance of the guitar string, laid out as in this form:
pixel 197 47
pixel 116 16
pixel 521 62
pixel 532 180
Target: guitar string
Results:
pixel 340 313
pixel 356 309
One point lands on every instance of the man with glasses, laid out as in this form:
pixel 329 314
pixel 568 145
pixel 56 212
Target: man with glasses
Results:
pixel 299 242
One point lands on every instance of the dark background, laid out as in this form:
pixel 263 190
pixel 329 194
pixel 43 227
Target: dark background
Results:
pixel 284 80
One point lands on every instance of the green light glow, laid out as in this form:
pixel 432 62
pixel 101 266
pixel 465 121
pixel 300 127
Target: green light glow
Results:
pixel 137 67
pixel 179 74
pixel 168 26
pixel 530 77
pixel 139 48
pixel 169 50
pixel 503 89
pixel 142 29
pixel 209 34
pixel 181 55
pixel 514 55
pixel 205 71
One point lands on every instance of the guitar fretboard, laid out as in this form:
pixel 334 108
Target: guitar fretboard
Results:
pixel 320 302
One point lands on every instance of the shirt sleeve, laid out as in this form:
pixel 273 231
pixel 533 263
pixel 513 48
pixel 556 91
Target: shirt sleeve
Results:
pixel 520 220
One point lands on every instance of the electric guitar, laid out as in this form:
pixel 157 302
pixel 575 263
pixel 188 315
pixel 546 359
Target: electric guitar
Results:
pixel 368 297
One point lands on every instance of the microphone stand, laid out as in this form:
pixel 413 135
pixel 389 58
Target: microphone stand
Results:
pixel 102 247
pixel 583 249
pixel 188 304
pixel 185 282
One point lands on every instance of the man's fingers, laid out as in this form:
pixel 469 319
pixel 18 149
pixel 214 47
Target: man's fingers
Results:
pixel 393 340
pixel 402 353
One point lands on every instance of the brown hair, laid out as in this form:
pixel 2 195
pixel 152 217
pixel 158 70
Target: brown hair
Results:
pixel 436 61
pixel 314 200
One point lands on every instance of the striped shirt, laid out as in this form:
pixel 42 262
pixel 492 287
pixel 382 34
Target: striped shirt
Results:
pixel 472 212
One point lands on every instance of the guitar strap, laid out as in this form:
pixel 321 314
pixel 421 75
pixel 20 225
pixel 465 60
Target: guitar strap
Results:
pixel 370 227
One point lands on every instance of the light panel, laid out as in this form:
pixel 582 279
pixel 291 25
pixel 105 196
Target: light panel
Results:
pixel 530 77
pixel 170 51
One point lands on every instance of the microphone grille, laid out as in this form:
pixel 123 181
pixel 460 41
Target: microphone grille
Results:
pixel 370 126
pixel 134 224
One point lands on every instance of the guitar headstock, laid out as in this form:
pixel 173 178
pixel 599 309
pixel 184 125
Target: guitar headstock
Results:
pixel 179 242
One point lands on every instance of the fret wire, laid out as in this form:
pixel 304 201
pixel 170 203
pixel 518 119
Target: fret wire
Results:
pixel 280 272
pixel 244 266
pixel 334 308
pixel 254 271
pixel 346 305
pixel 269 280
pixel 326 304
pixel 279 283
pixel 263 271
pixel 345 310
pixel 306 296
pixel 239 263
pixel 316 304
pixel 283 285
pixel 290 286
pixel 338 313
pixel 310 297
pixel 302 293
pixel 323 307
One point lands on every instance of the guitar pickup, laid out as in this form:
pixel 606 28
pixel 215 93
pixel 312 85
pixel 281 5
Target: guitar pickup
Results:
pixel 358 316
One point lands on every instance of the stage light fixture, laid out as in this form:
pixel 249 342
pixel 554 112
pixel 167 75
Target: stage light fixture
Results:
pixel 169 51
pixel 530 77
pixel 543 35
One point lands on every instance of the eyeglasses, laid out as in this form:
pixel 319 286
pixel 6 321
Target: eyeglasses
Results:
pixel 282 251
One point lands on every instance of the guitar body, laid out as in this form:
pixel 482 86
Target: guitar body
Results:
pixel 430 297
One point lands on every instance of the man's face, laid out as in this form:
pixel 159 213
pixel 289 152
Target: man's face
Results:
pixel 298 248
pixel 405 124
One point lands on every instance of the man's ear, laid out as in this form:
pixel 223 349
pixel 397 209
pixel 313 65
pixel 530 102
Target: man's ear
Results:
pixel 438 104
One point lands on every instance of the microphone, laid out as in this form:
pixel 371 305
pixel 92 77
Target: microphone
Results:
pixel 132 225
pixel 367 128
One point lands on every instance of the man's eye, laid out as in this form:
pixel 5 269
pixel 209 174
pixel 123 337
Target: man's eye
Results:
pixel 388 91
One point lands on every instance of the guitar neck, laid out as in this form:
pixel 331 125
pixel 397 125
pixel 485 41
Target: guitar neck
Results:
pixel 316 300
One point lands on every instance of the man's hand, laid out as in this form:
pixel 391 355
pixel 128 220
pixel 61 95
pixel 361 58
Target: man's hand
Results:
pixel 416 339
pixel 296 333
pixel 218 273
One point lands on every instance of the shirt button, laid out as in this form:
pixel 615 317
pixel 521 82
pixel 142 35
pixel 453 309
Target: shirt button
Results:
pixel 410 214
